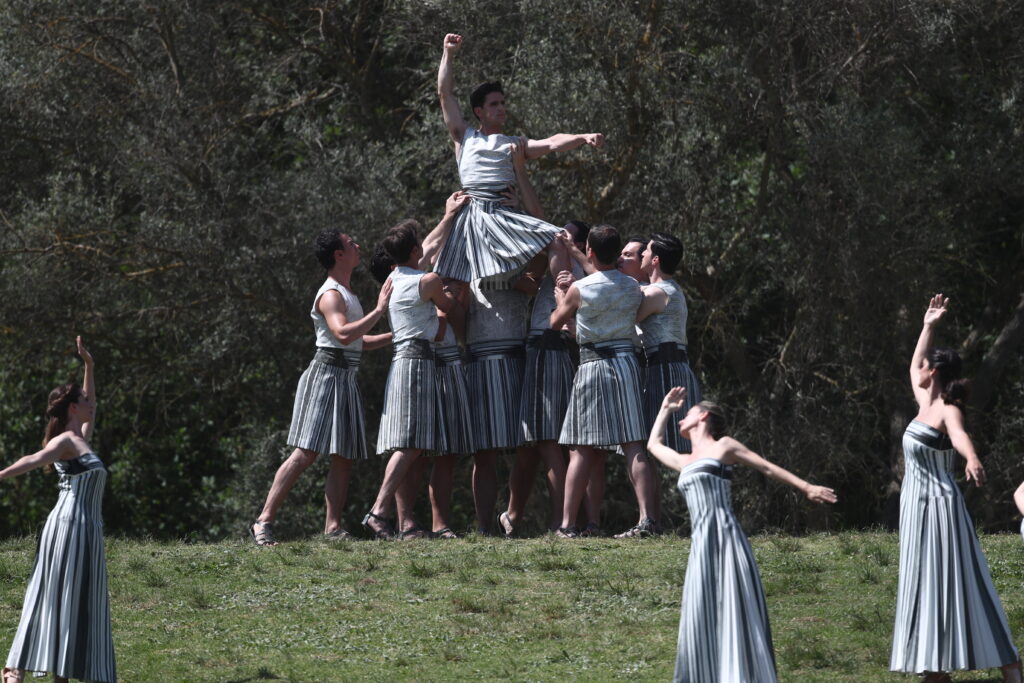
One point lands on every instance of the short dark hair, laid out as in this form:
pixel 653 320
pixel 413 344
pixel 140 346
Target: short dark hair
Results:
pixel 401 239
pixel 716 418
pixel 582 230
pixel 668 249
pixel 328 242
pixel 480 93
pixel 637 238
pixel 604 240
pixel 381 264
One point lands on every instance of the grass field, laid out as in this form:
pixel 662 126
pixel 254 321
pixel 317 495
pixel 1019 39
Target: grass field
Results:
pixel 483 608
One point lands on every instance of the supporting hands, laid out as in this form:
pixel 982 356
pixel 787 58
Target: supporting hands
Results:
pixel 455 202
pixel 384 295
pixel 937 308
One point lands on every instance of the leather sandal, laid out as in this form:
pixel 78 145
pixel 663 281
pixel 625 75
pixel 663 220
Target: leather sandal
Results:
pixel 338 535
pixel 445 533
pixel 263 537
pixel 385 532
pixel 567 532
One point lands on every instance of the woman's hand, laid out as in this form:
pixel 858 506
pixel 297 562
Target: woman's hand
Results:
pixel 820 494
pixel 674 400
pixel 975 471
pixel 82 351
pixel 937 308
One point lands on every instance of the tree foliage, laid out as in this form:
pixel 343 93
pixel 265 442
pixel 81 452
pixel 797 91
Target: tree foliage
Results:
pixel 827 165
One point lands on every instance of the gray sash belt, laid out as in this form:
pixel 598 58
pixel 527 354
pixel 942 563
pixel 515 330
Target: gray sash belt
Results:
pixel 719 470
pixel 448 356
pixel 421 349
pixel 589 352
pixel 548 340
pixel 499 353
pixel 668 352
pixel 339 358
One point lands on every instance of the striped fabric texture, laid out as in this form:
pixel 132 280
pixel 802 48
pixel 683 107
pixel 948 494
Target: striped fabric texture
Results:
pixel 606 405
pixel 724 633
pixel 489 239
pixel 327 417
pixel 494 376
pixel 948 615
pixel 660 378
pixel 547 384
pixel 65 620
pixel 413 414
pixel 458 420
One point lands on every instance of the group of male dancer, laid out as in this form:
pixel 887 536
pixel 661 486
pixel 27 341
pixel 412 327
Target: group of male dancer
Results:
pixel 475 369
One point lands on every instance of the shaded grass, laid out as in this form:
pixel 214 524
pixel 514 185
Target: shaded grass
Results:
pixel 484 609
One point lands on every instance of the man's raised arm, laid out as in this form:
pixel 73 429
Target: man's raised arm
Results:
pixel 561 143
pixel 453 119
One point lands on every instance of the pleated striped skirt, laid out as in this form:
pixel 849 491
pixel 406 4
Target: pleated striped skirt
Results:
pixel 724 633
pixel 606 405
pixel 65 621
pixel 547 384
pixel 948 615
pixel 413 414
pixel 489 239
pixel 661 376
pixel 451 378
pixel 327 417
pixel 494 375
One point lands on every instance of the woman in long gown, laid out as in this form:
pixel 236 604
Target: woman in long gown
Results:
pixel 723 627
pixel 948 615
pixel 65 620
pixel 724 633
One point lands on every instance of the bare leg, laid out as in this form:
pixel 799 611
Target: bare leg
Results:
pixel 285 478
pixel 441 483
pixel 398 467
pixel 485 487
pixel 405 495
pixel 520 482
pixel 576 478
pixel 335 491
pixel 595 488
pixel 554 460
pixel 644 479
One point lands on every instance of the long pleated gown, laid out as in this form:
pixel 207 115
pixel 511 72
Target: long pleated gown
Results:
pixel 948 615
pixel 723 628
pixel 65 620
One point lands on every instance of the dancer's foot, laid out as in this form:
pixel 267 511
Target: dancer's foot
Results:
pixel 262 534
pixel 937 677
pixel 381 527
pixel 1012 673
pixel 13 675
pixel 505 522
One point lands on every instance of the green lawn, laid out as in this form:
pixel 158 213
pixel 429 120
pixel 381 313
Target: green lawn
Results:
pixel 483 609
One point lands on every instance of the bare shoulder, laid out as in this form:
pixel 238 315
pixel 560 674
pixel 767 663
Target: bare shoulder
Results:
pixel 67 445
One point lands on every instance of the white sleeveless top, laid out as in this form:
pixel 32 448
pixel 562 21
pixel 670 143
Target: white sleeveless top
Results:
pixel 495 314
pixel 609 300
pixel 670 324
pixel 411 317
pixel 485 162
pixel 353 312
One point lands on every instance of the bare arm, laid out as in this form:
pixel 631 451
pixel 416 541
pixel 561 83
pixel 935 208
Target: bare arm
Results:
pixel 453 119
pixel 88 387
pixel 59 448
pixel 437 237
pixel 1018 498
pixel 376 341
pixel 737 452
pixel 562 142
pixel 529 281
pixel 333 308
pixel 444 296
pixel 581 258
pixel 531 204
pixel 567 306
pixel 654 301
pixel 673 401
pixel 954 421
pixel 936 309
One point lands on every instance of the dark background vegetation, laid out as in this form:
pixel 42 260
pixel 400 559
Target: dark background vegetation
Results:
pixel 828 165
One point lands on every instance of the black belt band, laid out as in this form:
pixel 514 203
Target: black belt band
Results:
pixel 668 352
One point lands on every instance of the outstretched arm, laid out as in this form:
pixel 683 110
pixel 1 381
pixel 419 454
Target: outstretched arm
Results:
pixel 453 119
pixel 59 448
pixel 936 309
pixel 562 142
pixel 437 237
pixel 737 452
pixel 954 421
pixel 334 310
pixel 376 341
pixel 88 386
pixel 673 401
